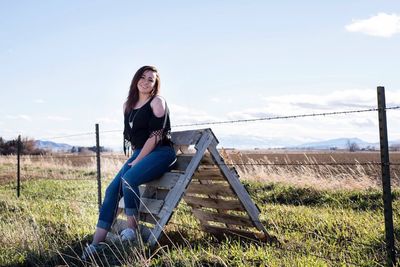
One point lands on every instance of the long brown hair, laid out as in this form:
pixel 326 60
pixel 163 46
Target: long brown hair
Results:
pixel 133 95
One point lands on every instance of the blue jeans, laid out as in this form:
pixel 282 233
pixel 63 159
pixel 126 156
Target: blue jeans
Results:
pixel 126 183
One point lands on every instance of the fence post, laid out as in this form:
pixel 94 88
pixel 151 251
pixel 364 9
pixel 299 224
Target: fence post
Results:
pixel 18 165
pixel 98 166
pixel 387 193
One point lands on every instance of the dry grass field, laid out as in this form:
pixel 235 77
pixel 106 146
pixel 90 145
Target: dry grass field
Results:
pixel 323 170
pixel 329 170
pixel 322 214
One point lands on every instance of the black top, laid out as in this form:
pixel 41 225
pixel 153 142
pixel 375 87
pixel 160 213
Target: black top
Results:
pixel 141 123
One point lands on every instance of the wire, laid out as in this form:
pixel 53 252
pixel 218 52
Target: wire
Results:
pixel 281 117
pixel 67 156
pixel 273 118
pixel 69 135
pixel 394 107
pixel 32 177
pixel 299 164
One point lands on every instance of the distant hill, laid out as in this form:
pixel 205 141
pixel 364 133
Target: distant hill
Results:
pixel 338 143
pixel 244 142
pixel 61 147
pixel 343 143
pixel 250 142
pixel 52 146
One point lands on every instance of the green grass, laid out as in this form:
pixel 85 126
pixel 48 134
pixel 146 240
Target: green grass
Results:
pixel 313 228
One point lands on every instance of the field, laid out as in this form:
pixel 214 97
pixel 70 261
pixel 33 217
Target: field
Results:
pixel 321 215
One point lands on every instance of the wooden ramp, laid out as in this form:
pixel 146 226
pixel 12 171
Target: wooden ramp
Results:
pixel 211 188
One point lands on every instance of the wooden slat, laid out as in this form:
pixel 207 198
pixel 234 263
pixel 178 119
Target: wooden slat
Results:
pixel 186 137
pixel 176 193
pixel 240 190
pixel 219 232
pixel 150 218
pixel 156 193
pixel 167 181
pixel 209 177
pixel 210 172
pixel 182 149
pixel 199 202
pixel 206 174
pixel 215 189
pixel 182 162
pixel 149 205
pixel 207 160
pixel 222 218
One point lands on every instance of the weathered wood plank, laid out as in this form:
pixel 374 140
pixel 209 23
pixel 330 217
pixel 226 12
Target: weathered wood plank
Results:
pixel 176 193
pixel 209 174
pixel 207 160
pixel 219 232
pixel 149 205
pixel 167 181
pixel 182 149
pixel 241 192
pixel 147 217
pixel 190 137
pixel 215 189
pixel 182 162
pixel 222 218
pixel 199 202
pixel 155 193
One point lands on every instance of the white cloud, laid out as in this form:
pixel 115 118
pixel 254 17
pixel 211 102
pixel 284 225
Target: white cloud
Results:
pixel 186 115
pixel 311 103
pixel 363 125
pixel 38 101
pixel 381 25
pixel 109 120
pixel 219 100
pixel 58 118
pixel 256 134
pixel 19 117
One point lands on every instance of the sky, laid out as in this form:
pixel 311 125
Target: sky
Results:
pixel 67 65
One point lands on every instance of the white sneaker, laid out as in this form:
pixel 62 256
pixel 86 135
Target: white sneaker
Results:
pixel 128 234
pixel 90 250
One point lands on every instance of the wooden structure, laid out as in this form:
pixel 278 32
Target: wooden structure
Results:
pixel 211 188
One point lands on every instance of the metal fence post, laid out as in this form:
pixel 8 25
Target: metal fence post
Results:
pixel 387 193
pixel 18 165
pixel 98 166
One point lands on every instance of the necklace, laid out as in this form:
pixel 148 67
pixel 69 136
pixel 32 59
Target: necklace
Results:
pixel 134 116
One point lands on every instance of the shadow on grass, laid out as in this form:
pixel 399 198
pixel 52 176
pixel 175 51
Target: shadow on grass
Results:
pixel 117 254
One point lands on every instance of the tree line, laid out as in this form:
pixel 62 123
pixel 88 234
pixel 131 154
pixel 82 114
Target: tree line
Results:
pixel 27 147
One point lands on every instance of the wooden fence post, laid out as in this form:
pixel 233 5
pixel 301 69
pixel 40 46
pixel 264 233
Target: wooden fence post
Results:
pixel 98 166
pixel 18 165
pixel 387 193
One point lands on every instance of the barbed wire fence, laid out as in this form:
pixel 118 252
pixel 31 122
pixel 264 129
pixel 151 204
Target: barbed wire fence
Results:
pixel 94 175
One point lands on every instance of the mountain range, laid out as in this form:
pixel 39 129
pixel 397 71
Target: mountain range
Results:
pixel 53 146
pixel 247 142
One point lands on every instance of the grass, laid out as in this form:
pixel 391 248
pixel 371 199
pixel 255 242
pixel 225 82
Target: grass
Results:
pixel 314 225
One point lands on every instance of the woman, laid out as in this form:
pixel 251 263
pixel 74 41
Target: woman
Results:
pixel 147 127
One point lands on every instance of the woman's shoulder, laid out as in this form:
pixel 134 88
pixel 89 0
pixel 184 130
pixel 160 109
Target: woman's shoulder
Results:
pixel 158 105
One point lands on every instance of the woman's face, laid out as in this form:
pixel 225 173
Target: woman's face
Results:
pixel 147 81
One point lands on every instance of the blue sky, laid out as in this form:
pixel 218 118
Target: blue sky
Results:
pixel 66 65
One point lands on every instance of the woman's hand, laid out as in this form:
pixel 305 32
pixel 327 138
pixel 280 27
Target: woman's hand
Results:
pixel 132 163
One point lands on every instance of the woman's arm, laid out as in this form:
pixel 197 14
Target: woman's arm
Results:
pixel 158 107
